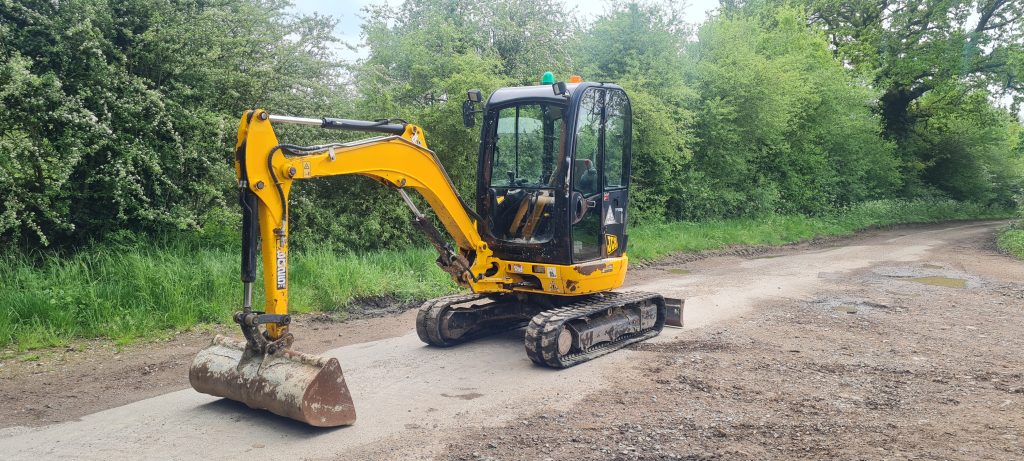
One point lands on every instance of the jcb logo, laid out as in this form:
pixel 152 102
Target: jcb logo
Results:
pixel 611 244
pixel 282 270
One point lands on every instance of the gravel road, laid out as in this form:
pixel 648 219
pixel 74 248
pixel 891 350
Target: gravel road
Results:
pixel 894 344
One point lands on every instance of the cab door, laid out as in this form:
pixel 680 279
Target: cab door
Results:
pixel 617 137
pixel 600 174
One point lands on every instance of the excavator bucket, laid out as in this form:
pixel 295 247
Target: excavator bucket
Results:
pixel 303 387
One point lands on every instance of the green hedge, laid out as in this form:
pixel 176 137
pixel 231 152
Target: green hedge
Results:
pixel 1011 240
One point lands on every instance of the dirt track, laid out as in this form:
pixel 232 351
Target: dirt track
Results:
pixel 815 351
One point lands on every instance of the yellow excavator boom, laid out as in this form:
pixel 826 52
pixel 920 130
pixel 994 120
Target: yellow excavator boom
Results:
pixel 400 161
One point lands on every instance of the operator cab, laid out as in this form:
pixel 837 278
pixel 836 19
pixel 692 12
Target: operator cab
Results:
pixel 553 174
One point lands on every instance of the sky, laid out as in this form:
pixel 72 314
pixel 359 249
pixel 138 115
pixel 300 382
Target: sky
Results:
pixel 348 13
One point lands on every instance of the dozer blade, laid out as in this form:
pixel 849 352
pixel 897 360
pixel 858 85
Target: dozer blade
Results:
pixel 303 387
pixel 674 312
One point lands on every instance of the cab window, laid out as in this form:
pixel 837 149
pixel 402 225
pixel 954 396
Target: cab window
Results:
pixel 616 117
pixel 586 185
pixel 526 149
pixel 588 134
pixel 525 144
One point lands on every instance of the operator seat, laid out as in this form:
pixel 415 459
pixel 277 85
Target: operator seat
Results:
pixel 586 176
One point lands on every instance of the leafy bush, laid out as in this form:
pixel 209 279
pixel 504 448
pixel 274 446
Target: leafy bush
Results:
pixel 118 117
pixel 966 149
pixel 781 126
pixel 1011 240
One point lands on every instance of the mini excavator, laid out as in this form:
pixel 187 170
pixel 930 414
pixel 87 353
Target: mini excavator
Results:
pixel 544 248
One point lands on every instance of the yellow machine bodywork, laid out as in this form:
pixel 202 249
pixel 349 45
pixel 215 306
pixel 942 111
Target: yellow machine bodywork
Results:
pixel 402 162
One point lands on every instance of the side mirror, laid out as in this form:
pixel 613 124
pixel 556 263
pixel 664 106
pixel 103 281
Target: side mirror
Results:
pixel 560 89
pixel 468 109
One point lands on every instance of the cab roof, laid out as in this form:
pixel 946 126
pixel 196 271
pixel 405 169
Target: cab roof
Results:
pixel 535 92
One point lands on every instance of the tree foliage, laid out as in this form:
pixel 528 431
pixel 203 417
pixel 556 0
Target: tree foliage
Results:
pixel 968 150
pixel 771 107
pixel 911 49
pixel 913 46
pixel 641 47
pixel 118 118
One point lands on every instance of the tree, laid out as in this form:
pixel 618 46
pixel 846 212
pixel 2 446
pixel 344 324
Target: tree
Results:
pixel 910 49
pixel 780 125
pixel 423 56
pixel 967 147
pixel 123 111
pixel 913 47
pixel 524 36
pixel 640 47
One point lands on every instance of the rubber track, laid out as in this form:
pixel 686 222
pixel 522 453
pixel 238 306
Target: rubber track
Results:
pixel 428 325
pixel 542 334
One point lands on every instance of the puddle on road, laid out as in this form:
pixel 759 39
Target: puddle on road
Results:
pixel 678 271
pixel 469 396
pixel 941 281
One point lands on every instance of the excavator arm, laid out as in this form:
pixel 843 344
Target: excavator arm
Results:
pixel 401 160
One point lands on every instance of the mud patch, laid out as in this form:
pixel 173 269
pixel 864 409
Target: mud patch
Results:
pixel 929 274
pixel 940 281
pixel 324 317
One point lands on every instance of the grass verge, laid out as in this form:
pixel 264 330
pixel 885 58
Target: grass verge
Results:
pixel 139 291
pixel 654 241
pixel 1011 240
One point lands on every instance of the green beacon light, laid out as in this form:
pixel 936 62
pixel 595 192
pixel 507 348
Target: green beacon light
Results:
pixel 548 78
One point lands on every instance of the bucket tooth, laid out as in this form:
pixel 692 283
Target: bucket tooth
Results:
pixel 299 386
